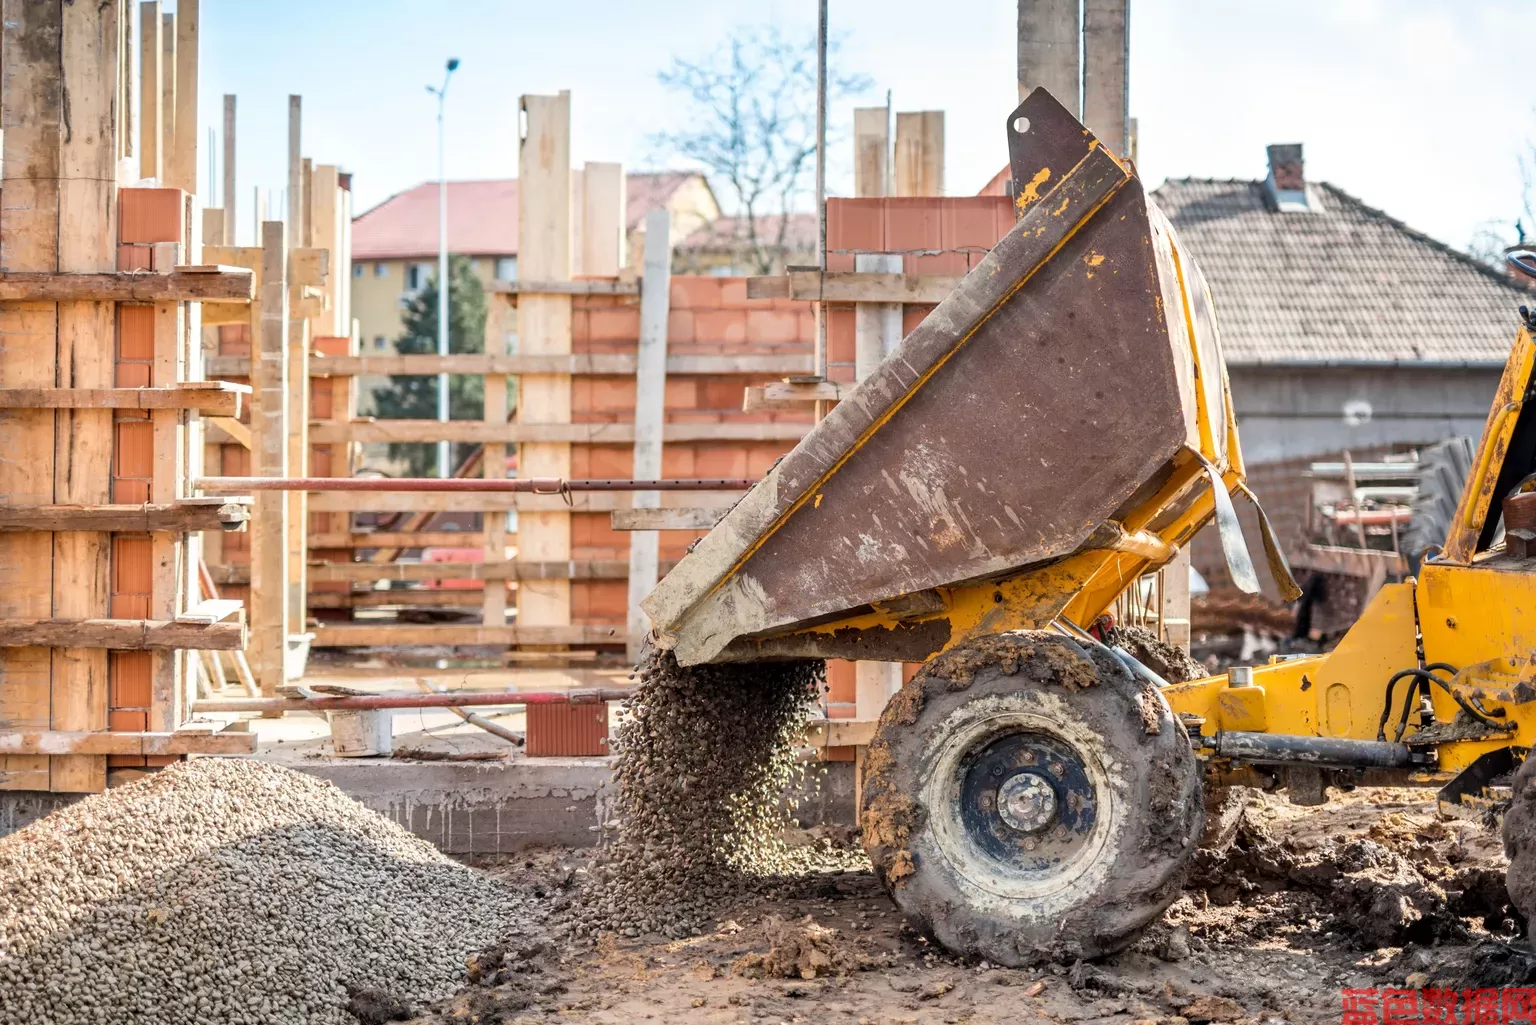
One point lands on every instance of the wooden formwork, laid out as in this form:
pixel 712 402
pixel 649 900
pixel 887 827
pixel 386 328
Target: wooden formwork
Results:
pixel 100 288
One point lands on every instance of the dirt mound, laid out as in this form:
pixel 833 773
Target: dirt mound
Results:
pixel 232 891
pixel 1169 661
pixel 1400 883
pixel 801 950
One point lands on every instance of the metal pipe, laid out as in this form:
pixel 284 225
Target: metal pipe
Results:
pixel 410 699
pixel 821 192
pixel 1287 749
pixel 443 290
pixel 530 485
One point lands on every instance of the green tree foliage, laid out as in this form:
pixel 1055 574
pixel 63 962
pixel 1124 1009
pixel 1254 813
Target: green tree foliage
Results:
pixel 414 397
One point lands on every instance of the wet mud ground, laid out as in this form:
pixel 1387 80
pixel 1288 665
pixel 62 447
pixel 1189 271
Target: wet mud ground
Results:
pixel 1370 890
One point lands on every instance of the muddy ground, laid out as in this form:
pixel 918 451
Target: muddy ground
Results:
pixel 1371 890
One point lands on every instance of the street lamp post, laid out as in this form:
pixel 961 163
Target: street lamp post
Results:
pixel 443 290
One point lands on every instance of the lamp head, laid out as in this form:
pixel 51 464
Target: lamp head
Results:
pixel 453 64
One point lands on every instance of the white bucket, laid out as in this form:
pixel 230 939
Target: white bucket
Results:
pixel 362 734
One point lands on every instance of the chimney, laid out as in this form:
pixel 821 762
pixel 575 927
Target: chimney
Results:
pixel 1287 182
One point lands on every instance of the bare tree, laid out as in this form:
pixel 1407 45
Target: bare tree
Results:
pixel 1492 237
pixel 752 127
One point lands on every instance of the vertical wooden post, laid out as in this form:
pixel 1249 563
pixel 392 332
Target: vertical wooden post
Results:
pixel 920 153
pixel 1049 36
pixel 183 168
pixel 544 328
pixel 298 376
pixel 330 398
pixel 601 237
pixel 229 170
pixel 650 416
pixel 871 150
pixel 500 320
pixel 1173 615
pixel 269 436
pixel 1106 62
pixel 168 69
pixel 151 89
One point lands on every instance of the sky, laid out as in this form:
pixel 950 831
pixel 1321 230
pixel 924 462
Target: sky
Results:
pixel 1422 108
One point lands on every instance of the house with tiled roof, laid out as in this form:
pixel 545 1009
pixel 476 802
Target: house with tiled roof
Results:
pixel 1344 330
pixel 394 244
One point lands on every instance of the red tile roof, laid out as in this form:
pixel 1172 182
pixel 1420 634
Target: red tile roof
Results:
pixel 482 217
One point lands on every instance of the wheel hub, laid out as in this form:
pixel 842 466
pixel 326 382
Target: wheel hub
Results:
pixel 1026 802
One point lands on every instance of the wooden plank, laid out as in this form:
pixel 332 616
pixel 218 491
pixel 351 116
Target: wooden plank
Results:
pixel 425 501
pixel 610 569
pixel 377 431
pixel 167 92
pixel 181 172
pixel 839 732
pixel 871 151
pixel 612 365
pixel 397 598
pixel 269 457
pixel 222 399
pixel 650 419
pixel 790 394
pixel 223 514
pixel 544 328
pixel 920 153
pixel 395 539
pixel 665 519
pixel 412 635
pixel 600 240
pixel 120 634
pixel 501 320
pixel 230 429
pixel 231 285
pixel 151 88
pixel 73 743
pixel 854 287
pixel 212 610
pixel 296 204
pixel 553 287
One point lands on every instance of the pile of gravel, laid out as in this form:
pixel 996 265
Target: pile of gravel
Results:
pixel 222 890
pixel 705 758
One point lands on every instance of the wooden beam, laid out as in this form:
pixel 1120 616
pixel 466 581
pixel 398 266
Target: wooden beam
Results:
pixel 227 200
pixel 151 89
pixel 167 94
pixel 212 398
pixel 233 430
pixel 213 610
pixel 120 634
pixel 182 170
pixel 597 287
pixel 75 742
pixel 791 394
pixel 853 287
pixel 395 539
pixel 295 218
pixel 839 732
pixel 611 569
pixel 612 365
pixel 871 151
pixel 397 598
pixel 377 431
pixel 269 457
pixel 407 635
pixel 224 284
pixel 650 418
pixel 425 501
pixel 920 153
pixel 179 517
pixel 665 519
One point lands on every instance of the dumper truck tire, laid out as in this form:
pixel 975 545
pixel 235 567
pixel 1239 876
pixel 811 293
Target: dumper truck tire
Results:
pixel 1026 798
pixel 1519 834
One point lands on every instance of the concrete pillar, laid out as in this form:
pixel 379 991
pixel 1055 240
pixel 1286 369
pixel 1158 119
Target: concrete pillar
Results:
pixel 1106 64
pixel 1050 35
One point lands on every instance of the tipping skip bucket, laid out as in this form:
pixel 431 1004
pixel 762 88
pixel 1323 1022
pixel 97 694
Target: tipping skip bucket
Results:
pixel 1068 396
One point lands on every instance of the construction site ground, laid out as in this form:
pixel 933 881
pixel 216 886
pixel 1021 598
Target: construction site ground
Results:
pixel 1359 894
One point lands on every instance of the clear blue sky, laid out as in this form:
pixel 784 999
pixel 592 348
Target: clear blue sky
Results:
pixel 1420 107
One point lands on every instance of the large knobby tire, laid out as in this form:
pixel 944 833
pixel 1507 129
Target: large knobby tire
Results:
pixel 1026 798
pixel 1443 470
pixel 1519 831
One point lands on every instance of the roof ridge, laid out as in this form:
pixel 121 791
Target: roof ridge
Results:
pixel 1418 236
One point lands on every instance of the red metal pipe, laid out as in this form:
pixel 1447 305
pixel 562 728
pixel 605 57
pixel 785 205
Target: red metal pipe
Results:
pixel 533 485
pixel 410 699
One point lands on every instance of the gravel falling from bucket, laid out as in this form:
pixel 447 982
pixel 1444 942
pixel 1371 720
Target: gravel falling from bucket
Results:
pixel 706 755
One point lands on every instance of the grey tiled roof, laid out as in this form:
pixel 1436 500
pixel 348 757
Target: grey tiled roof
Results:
pixel 1343 282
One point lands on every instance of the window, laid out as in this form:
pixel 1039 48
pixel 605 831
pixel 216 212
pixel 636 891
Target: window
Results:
pixel 379 343
pixel 417 275
pixel 381 270
pixel 357 270
pixel 506 268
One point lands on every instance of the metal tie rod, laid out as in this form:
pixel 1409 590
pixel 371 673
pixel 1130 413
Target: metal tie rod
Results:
pixel 531 485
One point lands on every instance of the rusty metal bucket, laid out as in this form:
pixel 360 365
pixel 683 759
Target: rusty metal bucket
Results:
pixel 1068 395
